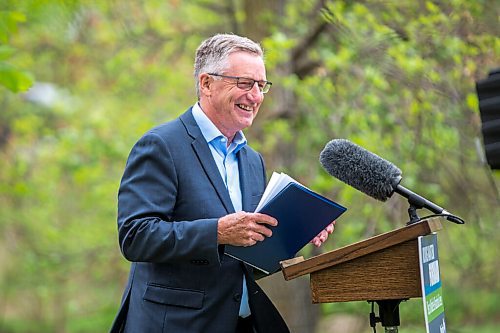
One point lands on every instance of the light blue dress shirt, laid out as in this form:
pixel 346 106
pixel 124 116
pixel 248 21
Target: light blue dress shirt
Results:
pixel 227 163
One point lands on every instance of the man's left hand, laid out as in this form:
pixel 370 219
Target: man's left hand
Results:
pixel 323 235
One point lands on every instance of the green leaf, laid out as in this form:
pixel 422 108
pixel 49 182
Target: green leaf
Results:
pixel 6 52
pixel 13 79
pixel 8 24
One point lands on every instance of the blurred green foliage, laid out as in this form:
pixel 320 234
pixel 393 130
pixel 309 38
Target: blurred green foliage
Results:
pixel 395 77
pixel 11 77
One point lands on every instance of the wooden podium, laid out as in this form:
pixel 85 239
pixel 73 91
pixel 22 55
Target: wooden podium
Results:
pixel 381 268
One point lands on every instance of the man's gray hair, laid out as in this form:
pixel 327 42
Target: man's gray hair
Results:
pixel 212 54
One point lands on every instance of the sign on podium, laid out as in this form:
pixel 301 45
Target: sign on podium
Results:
pixel 431 284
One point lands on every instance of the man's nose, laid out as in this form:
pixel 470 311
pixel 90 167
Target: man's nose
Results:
pixel 255 93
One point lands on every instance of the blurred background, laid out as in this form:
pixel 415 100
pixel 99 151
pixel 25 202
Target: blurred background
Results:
pixel 81 81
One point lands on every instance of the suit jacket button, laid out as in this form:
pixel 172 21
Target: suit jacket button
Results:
pixel 237 297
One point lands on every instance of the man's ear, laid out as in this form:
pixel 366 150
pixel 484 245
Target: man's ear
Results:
pixel 205 81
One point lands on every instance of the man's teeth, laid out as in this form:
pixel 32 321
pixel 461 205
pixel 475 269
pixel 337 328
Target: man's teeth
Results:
pixel 245 107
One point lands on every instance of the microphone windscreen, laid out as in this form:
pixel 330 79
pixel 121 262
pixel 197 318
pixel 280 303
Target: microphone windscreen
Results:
pixel 360 168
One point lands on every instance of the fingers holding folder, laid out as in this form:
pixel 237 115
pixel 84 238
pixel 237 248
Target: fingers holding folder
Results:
pixel 244 229
pixel 323 235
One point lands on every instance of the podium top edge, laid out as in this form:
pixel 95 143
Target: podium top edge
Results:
pixel 296 268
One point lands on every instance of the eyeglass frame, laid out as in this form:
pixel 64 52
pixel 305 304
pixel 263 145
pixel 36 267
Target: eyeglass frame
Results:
pixel 267 84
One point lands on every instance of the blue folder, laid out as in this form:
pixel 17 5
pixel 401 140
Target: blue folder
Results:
pixel 302 214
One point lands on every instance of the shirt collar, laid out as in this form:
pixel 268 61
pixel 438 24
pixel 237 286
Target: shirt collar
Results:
pixel 211 132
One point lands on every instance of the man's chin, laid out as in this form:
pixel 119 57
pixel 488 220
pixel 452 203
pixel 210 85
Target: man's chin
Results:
pixel 245 120
pixel 247 123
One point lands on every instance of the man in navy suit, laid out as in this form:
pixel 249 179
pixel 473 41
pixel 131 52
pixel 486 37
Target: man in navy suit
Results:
pixel 188 189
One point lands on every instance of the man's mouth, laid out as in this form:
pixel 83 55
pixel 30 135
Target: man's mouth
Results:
pixel 245 107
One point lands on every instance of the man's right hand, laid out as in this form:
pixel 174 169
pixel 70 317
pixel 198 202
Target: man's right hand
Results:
pixel 244 229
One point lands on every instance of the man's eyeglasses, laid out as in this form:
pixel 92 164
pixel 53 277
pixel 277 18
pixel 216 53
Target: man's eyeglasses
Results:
pixel 247 84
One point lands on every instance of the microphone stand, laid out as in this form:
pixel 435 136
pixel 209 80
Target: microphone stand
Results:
pixel 418 202
pixel 388 315
pixel 412 212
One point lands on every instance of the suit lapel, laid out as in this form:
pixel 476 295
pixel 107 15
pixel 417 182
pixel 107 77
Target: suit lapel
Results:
pixel 201 149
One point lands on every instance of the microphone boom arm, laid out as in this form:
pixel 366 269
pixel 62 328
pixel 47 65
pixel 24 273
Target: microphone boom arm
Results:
pixel 417 202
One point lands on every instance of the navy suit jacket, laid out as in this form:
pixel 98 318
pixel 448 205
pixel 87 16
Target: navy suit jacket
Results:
pixel 170 198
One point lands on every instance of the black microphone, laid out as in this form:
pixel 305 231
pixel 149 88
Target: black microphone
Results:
pixel 372 175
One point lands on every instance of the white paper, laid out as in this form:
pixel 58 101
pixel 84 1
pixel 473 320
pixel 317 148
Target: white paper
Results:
pixel 277 182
